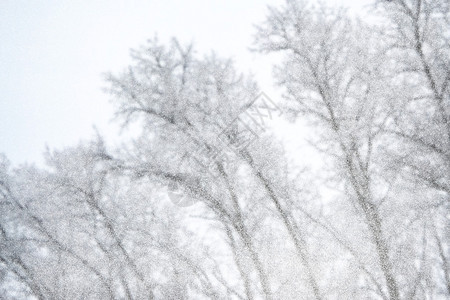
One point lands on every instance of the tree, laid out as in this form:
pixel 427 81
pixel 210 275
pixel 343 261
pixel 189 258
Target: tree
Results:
pixel 97 222
pixel 335 73
pixel 186 104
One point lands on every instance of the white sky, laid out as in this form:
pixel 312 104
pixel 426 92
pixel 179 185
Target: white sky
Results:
pixel 53 52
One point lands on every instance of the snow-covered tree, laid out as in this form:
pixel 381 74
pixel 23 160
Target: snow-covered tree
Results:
pixel 360 84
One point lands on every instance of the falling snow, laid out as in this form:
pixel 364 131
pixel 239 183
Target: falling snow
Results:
pixel 206 201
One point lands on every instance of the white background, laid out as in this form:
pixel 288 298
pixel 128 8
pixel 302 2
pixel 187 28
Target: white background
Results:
pixel 53 54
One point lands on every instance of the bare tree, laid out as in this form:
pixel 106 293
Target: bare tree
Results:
pixel 98 223
pixel 335 73
pixel 186 105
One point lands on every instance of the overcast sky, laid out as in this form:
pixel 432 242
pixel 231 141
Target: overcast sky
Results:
pixel 53 54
